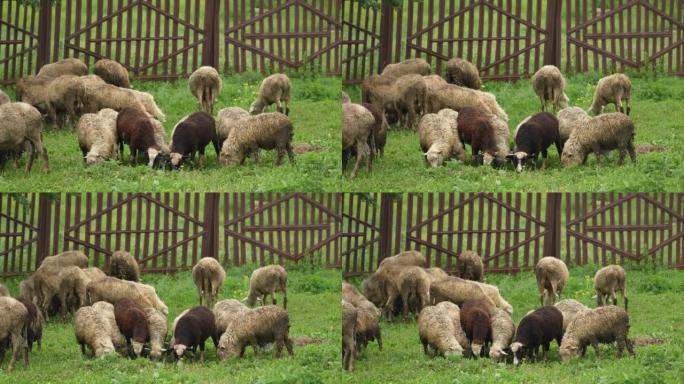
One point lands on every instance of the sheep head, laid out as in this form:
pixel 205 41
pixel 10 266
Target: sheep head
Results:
pixel 434 157
pixel 518 159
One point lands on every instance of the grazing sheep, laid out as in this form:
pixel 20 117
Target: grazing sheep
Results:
pixel 570 119
pixel 147 100
pixel 111 289
pixel 90 82
pixel 228 119
pixel 277 89
pixel 106 310
pixel 208 276
pixel 133 127
pixel 65 259
pixel 123 265
pixel 549 85
pixel 47 283
pixel 205 84
pixel 403 98
pixel 4 291
pixel 265 131
pixel 439 327
pixel 501 138
pixel 94 330
pixel 436 273
pixel 72 289
pixel 600 135
pixel 439 137
pixel 109 96
pixel 552 276
pixel 379 129
pixel 414 289
pixel 97 136
pixel 192 330
pixel 538 328
pixel 158 329
pixel 349 318
pixel 470 266
pixel 570 309
pixel 458 290
pixel 406 258
pixel 352 295
pixel 534 136
pixel 456 98
pixel 368 315
pixel 150 293
pixel 464 73
pixel 476 323
pixel 93 273
pixel 475 127
pixel 357 132
pixel 70 66
pixel 21 123
pixel 406 67
pixel 434 82
pixel 27 288
pixel 503 330
pixel 225 311
pixel 133 324
pixel 266 281
pixel 34 332
pixel 175 322
pixel 607 280
pixel 34 91
pixel 192 134
pixel 612 90
pixel 600 325
pixel 257 327
pixel 4 99
pixel 112 72
pixel 493 293
pixel 14 324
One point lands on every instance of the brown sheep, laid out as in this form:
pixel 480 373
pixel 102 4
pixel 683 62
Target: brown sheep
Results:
pixel 112 72
pixel 464 73
pixel 410 66
pixel 552 276
pixel 131 319
pixel 133 127
pixel 349 316
pixel 123 265
pixel 470 266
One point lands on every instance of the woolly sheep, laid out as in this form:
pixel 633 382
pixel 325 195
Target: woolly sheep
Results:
pixel 404 97
pixel 14 324
pixel 192 330
pixel 357 129
pixel 34 91
pixel 406 67
pixel 65 259
pixel 135 128
pixel 434 82
pixel 599 135
pixel 462 72
pixel 368 315
pixel 476 127
pixel 349 316
pixel 72 289
pixel 265 131
pixel 277 89
pixel 600 325
pixel 538 328
pixel 414 287
pixel 439 139
pixel 111 289
pixel 110 96
pixel 379 129
pixel 159 136
pixel 493 293
pixel 208 276
pixel 112 72
pixel 147 100
pixel 93 329
pixel 106 310
pixel 534 136
pixel 257 327
pixel 22 123
pixel 612 90
pixel 192 135
pixel 405 258
pixel 456 98
pixel 458 290
pixel 503 330
pixel 150 293
pixel 123 265
pixel 27 288
pixel 549 85
pixel 66 99
pixel 97 136
pixel 476 323
pixel 158 330
pixel 569 119
pixel 4 99
pixel 266 281
pixel 132 321
pixel 436 273
pixel 552 276
pixel 205 84
pixel 69 66
pixel 607 280
pixel 94 273
pixel 570 309
pixel 228 119
pixel 34 331
pixel 439 327
pixel 47 283
pixel 470 266
pixel 225 311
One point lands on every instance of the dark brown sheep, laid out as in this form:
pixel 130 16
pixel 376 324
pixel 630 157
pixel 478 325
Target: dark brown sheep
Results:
pixel 192 330
pixel 534 136
pixel 475 128
pixel 192 135
pixel 133 127
pixel 476 324
pixel 133 324
pixel 538 328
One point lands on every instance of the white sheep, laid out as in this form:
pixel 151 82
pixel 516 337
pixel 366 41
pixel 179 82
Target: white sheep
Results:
pixel 552 276
pixel 549 85
pixel 570 309
pixel 439 137
pixel 569 119
pixel 208 276
pixel 205 84
pixel 277 89
pixel 612 89
pixel 22 123
pixel 14 324
pixel 439 327
pixel 599 135
pixel 266 281
pixel 600 325
pixel 93 329
pixel 503 330
pixel 607 281
pixel 97 136
pixel 265 131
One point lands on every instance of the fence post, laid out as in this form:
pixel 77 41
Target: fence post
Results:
pixel 385 35
pixel 385 248
pixel 44 213
pixel 210 239
pixel 43 50
pixel 554 21
pixel 552 239
pixel 210 51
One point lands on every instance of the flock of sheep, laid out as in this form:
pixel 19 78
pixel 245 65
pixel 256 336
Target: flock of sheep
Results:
pixel 450 113
pixel 107 114
pixel 118 314
pixel 464 316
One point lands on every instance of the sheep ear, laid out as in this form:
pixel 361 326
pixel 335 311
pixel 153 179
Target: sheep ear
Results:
pixel 504 353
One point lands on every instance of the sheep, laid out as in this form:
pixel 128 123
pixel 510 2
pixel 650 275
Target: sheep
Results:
pixel 462 72
pixel 607 280
pixel 367 326
pixel 456 98
pixel 352 295
pixel 225 311
pixel 106 310
pixel 21 123
pixel 123 265
pixel 475 127
pixel 569 119
pixel 266 281
pixel 110 96
pixel 264 131
pixel 3 291
pixel 436 273
pixel 434 82
pixel 66 97
pixel 34 332
pixel 47 283
pixel 65 259
pixel 92 329
pixel 228 119
pixel 208 276
pixel 277 89
pixel 192 330
pixel 410 66
pixel 414 285
pixel 344 98
pixel 34 91
pixel 612 89
pixel 349 318
pixel 552 276
pixel 495 296
pixel 257 327
pixel 476 323
pixel 600 325
pixel 94 273
pixel 91 82
pixel 27 288
pixel 150 293
pixel 570 309
pixel 4 99
pixel 534 136
pixel 458 290
pixel 132 321
pixel 192 134
pixel 133 127
pixel 403 97
pixel 406 258
pixel 599 135
pixel 439 137
pixel 379 129
pixel 439 327
pixel 470 266
pixel 503 330
pixel 69 66
pixel 357 132
pixel 501 138
pixel 158 329
pixel 112 72
pixel 205 84
pixel 14 324
pixel 147 100
pixel 538 328
pixel 97 136
pixel 111 289
pixel 72 289
pixel 549 85
pixel 175 322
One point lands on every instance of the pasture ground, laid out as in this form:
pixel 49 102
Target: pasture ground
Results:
pixel 313 306
pixel 656 311
pixel 314 111
pixel 656 110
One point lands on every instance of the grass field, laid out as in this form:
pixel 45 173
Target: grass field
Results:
pixel 314 111
pixel 656 310
pixel 313 306
pixel 657 113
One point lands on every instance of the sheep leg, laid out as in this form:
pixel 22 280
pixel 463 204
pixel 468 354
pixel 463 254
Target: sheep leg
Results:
pixel 632 152
pixel 599 299
pixel 279 107
pixel 629 106
pixel 425 349
pixel 584 351
pixel 545 348
pixel 201 158
pixel 597 150
pixel 31 157
pixel 359 157
pixel 544 154
pixel 595 344
pixel 62 305
pixel 405 306
pixel 273 297
pixel 541 101
pixel 279 158
pixel 285 299
pixel 201 346
pixel 263 299
pixel 132 160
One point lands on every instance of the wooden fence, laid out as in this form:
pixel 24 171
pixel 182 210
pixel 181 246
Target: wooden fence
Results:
pixel 168 232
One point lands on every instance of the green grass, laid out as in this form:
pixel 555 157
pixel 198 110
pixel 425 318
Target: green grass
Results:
pixel 313 306
pixel 657 113
pixel 655 311
pixel 314 111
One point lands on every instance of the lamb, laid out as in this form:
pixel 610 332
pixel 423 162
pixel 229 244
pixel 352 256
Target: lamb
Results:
pixel 549 85
pixel 464 73
pixel 570 119
pixel 208 276
pixel 456 98
pixel 4 99
pixel 470 266
pixel 70 66
pixel 552 276
pixel 357 132
pixel 205 84
pixel 476 323
pixel 92 329
pixel 110 96
pixel 379 130
pixel 14 324
pixel 3 291
pixel 257 327
pixel 228 119
pixel 133 324
pixel 403 97
pixel 21 123
pixel 570 309
pixel 534 136
pixel 112 72
pixel 406 67
pixel 266 281
pixel 34 332
pixel 192 330
pixel 475 128
pixel 349 318
pixel 106 310
pixel 405 258
pixel 192 134
pixel 457 291
pixel 600 134
pixel 65 259
pixel 264 131
pixel 600 325
pixel 72 289
pixel 503 330
pixel 158 329
pixel 439 327
pixel 97 136
pixel 607 280
pixel 225 311
pixel 538 328
pixel 147 100
pixel 133 127
pixel 123 265
pixel 439 137
pixel 612 89
pixel 277 89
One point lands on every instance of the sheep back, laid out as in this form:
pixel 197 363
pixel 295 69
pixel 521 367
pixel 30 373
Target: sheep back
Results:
pixel 112 72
